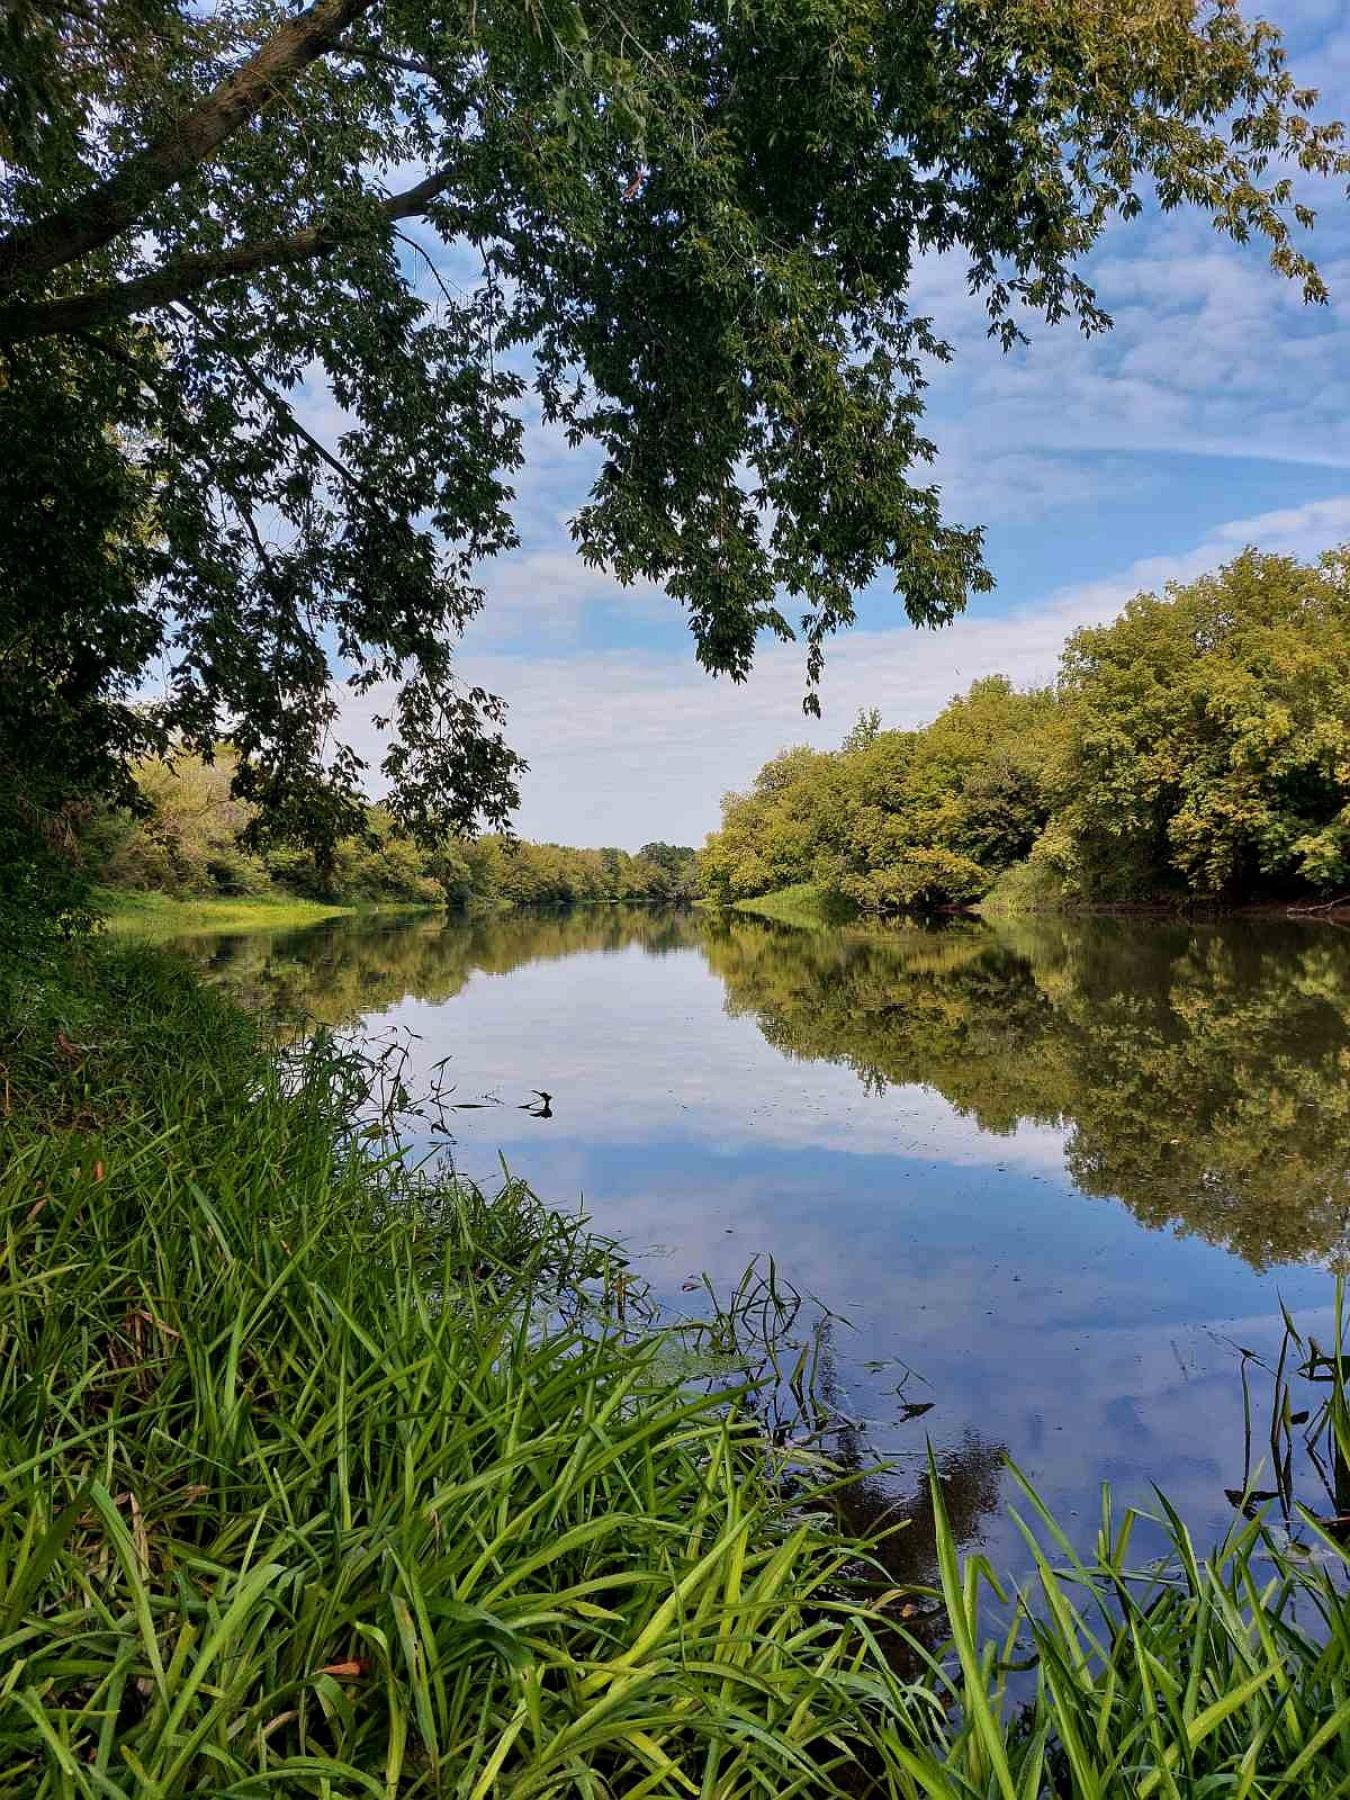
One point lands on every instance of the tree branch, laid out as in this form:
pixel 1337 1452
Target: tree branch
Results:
pixel 104 212
pixel 279 408
pixel 385 58
pixel 184 275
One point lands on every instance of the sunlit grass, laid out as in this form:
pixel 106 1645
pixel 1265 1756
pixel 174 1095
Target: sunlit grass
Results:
pixel 159 915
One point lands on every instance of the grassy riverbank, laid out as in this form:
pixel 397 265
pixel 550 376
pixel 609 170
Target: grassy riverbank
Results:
pixel 159 915
pixel 321 1475
pixel 801 904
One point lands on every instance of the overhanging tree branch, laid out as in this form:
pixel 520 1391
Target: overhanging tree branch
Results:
pixel 280 409
pixel 185 275
pixel 386 59
pixel 104 212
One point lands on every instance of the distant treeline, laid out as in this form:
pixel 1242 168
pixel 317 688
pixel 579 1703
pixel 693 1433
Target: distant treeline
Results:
pixel 1197 748
pixel 192 840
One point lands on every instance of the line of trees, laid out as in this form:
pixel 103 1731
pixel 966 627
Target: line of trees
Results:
pixel 1196 748
pixel 192 838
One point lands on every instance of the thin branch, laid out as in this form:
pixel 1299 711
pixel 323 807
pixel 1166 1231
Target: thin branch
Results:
pixel 434 272
pixel 278 407
pixel 184 275
pixel 114 206
pixel 387 59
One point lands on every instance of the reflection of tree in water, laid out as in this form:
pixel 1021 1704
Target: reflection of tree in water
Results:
pixel 948 1008
pixel 349 968
pixel 1204 1072
pixel 902 1524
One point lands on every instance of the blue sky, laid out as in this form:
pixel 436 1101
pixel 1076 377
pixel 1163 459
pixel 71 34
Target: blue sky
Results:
pixel 1216 414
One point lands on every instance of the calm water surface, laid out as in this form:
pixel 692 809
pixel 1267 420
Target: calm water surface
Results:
pixel 1050 1175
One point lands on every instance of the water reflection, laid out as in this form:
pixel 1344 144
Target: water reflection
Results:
pixel 1202 1072
pixel 347 969
pixel 1064 1170
pixel 1199 1074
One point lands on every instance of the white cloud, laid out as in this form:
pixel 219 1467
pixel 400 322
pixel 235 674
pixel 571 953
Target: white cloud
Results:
pixel 1210 353
pixel 625 746
pixel 545 592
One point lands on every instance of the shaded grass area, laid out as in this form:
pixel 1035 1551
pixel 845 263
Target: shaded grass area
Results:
pixel 321 1474
pixel 1026 887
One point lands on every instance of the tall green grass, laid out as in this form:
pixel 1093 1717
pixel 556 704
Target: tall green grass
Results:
pixel 320 1475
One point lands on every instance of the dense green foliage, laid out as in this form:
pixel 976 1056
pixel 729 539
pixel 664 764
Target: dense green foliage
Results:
pixel 1197 748
pixel 894 819
pixel 321 1474
pixel 1208 742
pixel 208 209
pixel 189 839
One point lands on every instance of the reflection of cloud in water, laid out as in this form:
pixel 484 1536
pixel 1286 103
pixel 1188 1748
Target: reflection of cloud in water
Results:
pixel 1021 1160
pixel 632 1048
pixel 1090 1346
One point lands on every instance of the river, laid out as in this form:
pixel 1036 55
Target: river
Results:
pixel 1043 1182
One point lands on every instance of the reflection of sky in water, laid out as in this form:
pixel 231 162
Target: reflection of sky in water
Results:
pixel 636 1047
pixel 1040 1319
pixel 1090 1347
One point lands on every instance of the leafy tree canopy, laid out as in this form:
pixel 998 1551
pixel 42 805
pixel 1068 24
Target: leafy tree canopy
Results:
pixel 189 835
pixel 694 229
pixel 1196 748
pixel 1208 744
pixel 895 819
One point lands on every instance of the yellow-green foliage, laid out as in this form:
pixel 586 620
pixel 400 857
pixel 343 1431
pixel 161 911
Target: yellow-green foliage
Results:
pixel 187 843
pixel 525 874
pixel 1208 742
pixel 894 818
pixel 190 843
pixel 1197 747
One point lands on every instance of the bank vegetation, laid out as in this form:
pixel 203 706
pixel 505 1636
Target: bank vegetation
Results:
pixel 1195 750
pixel 188 837
pixel 322 1472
